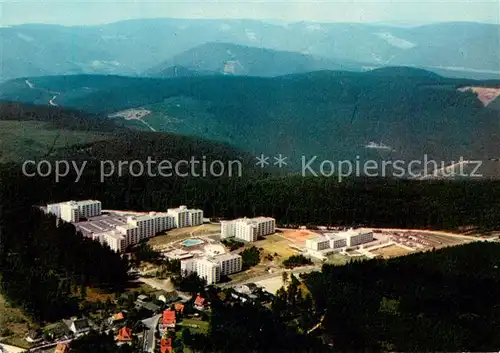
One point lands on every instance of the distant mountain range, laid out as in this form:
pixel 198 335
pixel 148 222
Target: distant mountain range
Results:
pixel 136 46
pixel 234 59
pixel 333 115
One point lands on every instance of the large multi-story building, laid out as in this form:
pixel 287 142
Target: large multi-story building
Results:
pixel 318 243
pixel 355 237
pixel 195 217
pixel 229 263
pixel 341 240
pixel 248 229
pixel 180 215
pixel 120 231
pixel 73 211
pixel 211 268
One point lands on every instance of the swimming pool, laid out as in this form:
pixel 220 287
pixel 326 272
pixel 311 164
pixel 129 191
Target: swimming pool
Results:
pixel 191 242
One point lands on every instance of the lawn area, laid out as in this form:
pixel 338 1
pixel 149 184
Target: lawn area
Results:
pixel 15 323
pixel 275 243
pixel 202 326
pixel 178 234
pixel 337 259
pixel 21 140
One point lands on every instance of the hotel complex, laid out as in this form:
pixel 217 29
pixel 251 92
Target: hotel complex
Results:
pixel 73 211
pixel 212 268
pixel 120 231
pixel 331 242
pixel 248 229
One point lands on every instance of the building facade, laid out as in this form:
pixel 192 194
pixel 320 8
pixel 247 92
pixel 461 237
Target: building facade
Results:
pixel 73 211
pixel 120 231
pixel 318 243
pixel 229 263
pixel 209 270
pixel 212 268
pixel 248 229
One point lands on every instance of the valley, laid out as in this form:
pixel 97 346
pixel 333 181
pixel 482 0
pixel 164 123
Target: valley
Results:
pixel 334 115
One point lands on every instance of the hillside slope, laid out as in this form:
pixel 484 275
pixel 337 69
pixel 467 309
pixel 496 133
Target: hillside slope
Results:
pixel 232 59
pixel 397 113
pixel 29 132
pixel 455 49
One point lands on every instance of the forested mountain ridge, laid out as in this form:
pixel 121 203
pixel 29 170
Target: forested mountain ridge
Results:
pixel 329 114
pixel 31 132
pixel 232 59
pixel 455 48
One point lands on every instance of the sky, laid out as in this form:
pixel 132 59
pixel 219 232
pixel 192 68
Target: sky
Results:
pixel 92 12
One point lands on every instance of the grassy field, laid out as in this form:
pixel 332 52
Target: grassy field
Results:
pixel 21 140
pixel 202 326
pixel 13 322
pixel 337 259
pixel 391 251
pixel 178 234
pixel 274 243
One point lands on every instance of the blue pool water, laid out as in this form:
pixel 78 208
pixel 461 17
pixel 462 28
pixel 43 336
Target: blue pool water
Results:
pixel 191 242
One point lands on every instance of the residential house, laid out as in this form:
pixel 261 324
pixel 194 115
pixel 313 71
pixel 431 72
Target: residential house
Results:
pixel 179 307
pixel 116 318
pixel 78 326
pixel 166 345
pixel 142 299
pixel 200 303
pixel 152 307
pixel 167 322
pixel 124 335
pixel 62 348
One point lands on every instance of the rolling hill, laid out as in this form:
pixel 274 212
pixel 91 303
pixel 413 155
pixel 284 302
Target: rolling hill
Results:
pixel 131 47
pixel 29 132
pixel 391 113
pixel 233 59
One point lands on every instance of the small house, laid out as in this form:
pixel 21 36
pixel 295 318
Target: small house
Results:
pixel 78 326
pixel 200 303
pixel 166 345
pixel 124 335
pixel 62 348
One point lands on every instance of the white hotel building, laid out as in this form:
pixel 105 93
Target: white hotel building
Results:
pixel 248 229
pixel 184 217
pixel 120 231
pixel 72 211
pixel 211 268
pixel 330 242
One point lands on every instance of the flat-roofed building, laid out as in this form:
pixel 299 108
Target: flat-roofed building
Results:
pixel 209 270
pixel 188 266
pixel 353 237
pixel 248 229
pixel 73 211
pixel 318 243
pixel 227 229
pixel 337 242
pixel 229 263
pixel 70 212
pixel 195 217
pixel 181 216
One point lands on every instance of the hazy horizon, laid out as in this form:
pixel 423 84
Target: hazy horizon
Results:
pixel 396 12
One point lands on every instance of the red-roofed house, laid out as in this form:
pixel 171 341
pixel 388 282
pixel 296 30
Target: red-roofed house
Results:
pixel 62 348
pixel 200 303
pixel 168 321
pixel 166 345
pixel 179 307
pixel 124 335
